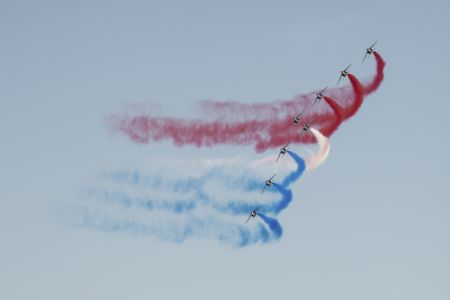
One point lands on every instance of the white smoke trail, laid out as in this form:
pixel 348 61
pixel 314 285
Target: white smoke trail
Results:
pixel 319 157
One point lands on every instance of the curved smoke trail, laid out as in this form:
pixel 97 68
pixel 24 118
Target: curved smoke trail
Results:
pixel 379 75
pixel 178 209
pixel 273 110
pixel 262 125
pixel 273 224
pixel 320 156
pixel 174 230
pixel 300 168
pixel 358 94
pixel 338 112
pixel 194 191
pixel 194 212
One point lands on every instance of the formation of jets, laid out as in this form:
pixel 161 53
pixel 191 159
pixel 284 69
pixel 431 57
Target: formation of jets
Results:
pixel 306 126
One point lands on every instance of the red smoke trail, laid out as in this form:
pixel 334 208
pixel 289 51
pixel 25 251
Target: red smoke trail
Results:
pixel 358 97
pixel 338 112
pixel 263 134
pixel 344 95
pixel 143 129
pixel 262 125
pixel 379 75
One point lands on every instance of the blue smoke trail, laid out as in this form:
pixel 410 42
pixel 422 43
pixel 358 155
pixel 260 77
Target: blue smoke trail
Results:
pixel 200 197
pixel 285 199
pixel 235 235
pixel 125 200
pixel 301 166
pixel 274 225
pixel 194 196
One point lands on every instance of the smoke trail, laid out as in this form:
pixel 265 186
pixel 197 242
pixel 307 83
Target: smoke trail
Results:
pixel 285 199
pixel 347 101
pixel 291 178
pixel 263 125
pixel 320 156
pixel 339 114
pixel 194 213
pixel 277 109
pixel 264 134
pixel 379 75
pixel 189 208
pixel 358 96
pixel 193 192
pixel 273 224
pixel 174 230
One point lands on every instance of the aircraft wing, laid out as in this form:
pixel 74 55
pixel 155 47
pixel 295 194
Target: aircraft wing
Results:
pixel 273 176
pixel 340 77
pixel 373 44
pixel 365 56
pixel 248 219
pixel 279 154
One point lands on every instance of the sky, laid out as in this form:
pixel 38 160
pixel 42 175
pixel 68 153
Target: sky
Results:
pixel 371 223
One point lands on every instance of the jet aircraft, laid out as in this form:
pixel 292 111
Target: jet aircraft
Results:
pixel 268 183
pixel 319 96
pixel 369 51
pixel 283 151
pixel 297 119
pixel 344 73
pixel 252 214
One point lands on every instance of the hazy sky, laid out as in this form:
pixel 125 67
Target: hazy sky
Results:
pixel 371 223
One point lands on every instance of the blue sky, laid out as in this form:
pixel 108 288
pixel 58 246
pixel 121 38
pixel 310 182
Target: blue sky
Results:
pixel 371 223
